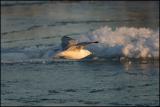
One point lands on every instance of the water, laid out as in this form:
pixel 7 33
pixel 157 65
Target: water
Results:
pixel 29 30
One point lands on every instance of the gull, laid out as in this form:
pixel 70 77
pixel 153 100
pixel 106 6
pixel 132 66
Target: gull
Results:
pixel 73 50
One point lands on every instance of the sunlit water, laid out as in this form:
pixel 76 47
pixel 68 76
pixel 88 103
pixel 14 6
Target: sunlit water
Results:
pixel 30 31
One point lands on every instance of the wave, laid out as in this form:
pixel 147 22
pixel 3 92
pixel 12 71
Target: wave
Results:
pixel 124 41
pixel 21 3
pixel 86 60
pixel 62 23
pixel 119 44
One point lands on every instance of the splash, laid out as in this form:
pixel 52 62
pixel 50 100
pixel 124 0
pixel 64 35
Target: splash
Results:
pixel 123 41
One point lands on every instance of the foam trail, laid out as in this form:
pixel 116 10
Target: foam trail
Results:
pixel 123 41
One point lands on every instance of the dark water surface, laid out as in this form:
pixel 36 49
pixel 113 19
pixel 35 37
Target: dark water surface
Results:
pixel 80 83
pixel 29 30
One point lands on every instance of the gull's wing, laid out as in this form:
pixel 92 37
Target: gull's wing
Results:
pixel 67 42
pixel 80 45
pixel 75 48
pixel 86 43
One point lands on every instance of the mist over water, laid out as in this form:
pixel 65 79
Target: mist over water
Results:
pixel 124 41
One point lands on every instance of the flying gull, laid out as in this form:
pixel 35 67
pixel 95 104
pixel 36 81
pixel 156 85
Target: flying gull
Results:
pixel 71 49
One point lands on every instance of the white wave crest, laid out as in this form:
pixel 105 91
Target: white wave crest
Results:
pixel 123 41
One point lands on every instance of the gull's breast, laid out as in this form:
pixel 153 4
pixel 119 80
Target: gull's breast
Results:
pixel 75 54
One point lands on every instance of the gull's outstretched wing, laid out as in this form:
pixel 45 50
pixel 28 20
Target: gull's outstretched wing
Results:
pixel 86 43
pixel 67 42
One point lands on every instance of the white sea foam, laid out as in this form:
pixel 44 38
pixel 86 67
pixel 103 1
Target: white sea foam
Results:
pixel 123 41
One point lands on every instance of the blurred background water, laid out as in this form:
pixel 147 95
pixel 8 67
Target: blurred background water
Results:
pixel 29 29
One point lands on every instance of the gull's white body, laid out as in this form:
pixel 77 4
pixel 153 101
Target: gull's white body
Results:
pixel 74 53
pixel 73 50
